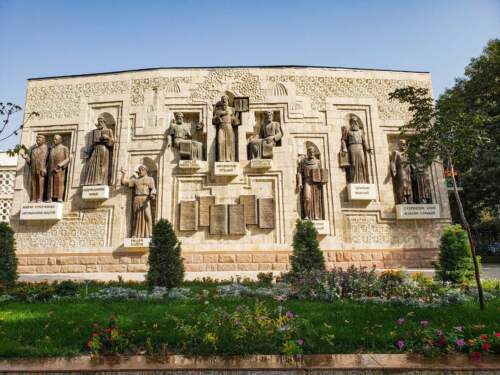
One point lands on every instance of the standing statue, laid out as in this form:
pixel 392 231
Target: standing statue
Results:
pixel 355 145
pixel 97 167
pixel 422 184
pixel 270 135
pixel 179 135
pixel 224 118
pixel 59 159
pixel 310 180
pixel 37 161
pixel 401 173
pixel 143 192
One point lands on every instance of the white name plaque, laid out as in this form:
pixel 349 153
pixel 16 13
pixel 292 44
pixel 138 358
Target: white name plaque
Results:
pixel 226 168
pixel 417 211
pixel 136 242
pixel 322 226
pixel 189 164
pixel 42 211
pixel 261 163
pixel 95 192
pixel 361 192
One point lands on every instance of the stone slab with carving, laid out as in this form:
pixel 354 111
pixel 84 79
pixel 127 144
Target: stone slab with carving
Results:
pixel 361 192
pixel 188 215
pixel 190 164
pixel 266 213
pixel 218 219
pixel 322 226
pixel 236 219
pixel 95 192
pixel 136 243
pixel 204 203
pixel 226 168
pixel 42 211
pixel 417 211
pixel 249 203
pixel 261 163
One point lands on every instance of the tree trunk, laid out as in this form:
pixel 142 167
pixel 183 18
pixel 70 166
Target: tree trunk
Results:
pixel 466 226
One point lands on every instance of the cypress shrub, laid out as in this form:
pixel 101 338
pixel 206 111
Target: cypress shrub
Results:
pixel 165 263
pixel 307 256
pixel 455 259
pixel 8 259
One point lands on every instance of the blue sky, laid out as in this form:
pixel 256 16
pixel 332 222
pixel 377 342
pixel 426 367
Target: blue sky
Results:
pixel 45 37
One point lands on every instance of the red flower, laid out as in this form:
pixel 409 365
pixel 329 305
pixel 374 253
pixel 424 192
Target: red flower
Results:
pixel 95 334
pixel 486 346
pixel 475 355
pixel 483 337
pixel 497 334
pixel 441 341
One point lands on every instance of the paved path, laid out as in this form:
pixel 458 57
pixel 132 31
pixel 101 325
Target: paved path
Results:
pixel 488 272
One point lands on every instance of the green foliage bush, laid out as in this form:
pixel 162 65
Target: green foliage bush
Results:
pixel 165 263
pixel 455 260
pixel 307 255
pixel 8 260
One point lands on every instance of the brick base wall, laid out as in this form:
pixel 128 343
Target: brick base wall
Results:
pixel 226 261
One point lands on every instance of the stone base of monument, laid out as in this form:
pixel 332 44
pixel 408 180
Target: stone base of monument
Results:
pixel 417 211
pixel 95 193
pixel 361 192
pixel 322 226
pixel 226 168
pixel 136 243
pixel 190 164
pixel 261 163
pixel 42 211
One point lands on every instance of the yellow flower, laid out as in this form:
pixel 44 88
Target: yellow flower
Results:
pixel 210 338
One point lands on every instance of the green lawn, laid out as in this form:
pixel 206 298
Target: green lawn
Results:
pixel 62 328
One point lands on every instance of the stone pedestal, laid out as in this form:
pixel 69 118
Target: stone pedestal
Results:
pixel 361 192
pixel 95 193
pixel 138 243
pixel 226 168
pixel 417 211
pixel 42 211
pixel 261 163
pixel 190 164
pixel 322 226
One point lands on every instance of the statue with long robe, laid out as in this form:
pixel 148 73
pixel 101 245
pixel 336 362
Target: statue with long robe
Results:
pixel 310 180
pixel 401 174
pixel 96 170
pixel 423 194
pixel 144 191
pixel 355 145
pixel 225 118
pixel 270 135
pixel 179 136
pixel 59 159
pixel 36 158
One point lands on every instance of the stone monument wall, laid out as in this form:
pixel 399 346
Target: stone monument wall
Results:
pixel 230 216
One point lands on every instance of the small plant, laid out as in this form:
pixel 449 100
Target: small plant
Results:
pixel 8 260
pixel 165 263
pixel 265 279
pixel 307 255
pixel 66 288
pixel 107 340
pixel 455 259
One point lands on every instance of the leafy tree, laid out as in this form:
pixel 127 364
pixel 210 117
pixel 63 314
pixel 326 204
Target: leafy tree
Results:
pixel 453 131
pixel 8 259
pixel 165 262
pixel 307 255
pixel 6 111
pixel 455 262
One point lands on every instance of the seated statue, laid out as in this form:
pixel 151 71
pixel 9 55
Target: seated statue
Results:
pixel 270 135
pixel 179 135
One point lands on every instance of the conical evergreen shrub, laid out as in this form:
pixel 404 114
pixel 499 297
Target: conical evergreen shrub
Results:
pixel 455 258
pixel 8 259
pixel 165 263
pixel 307 255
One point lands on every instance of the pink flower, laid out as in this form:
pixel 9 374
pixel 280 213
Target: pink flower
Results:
pixel 290 315
pixel 400 344
pixel 459 328
pixel 497 334
pixel 439 332
pixel 424 323
pixel 460 342
pixel 486 346
pixel 300 342
pixel 400 321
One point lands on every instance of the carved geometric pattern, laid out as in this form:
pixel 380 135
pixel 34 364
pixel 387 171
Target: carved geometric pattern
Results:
pixel 169 85
pixel 5 206
pixel 279 89
pixel 7 182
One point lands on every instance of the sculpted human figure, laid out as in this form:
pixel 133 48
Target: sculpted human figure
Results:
pixel 401 173
pixel 224 118
pixel 310 180
pixel 269 135
pixel 179 135
pixel 59 159
pixel 144 192
pixel 354 143
pixel 37 160
pixel 423 185
pixel 97 167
